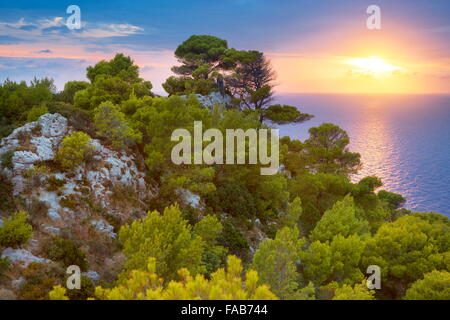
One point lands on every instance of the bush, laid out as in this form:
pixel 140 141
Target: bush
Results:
pixel 232 198
pixel 232 238
pixel 67 252
pixel 4 265
pixel 55 184
pixel 69 202
pixel 112 124
pixel 36 112
pixel 38 208
pixel 74 150
pixel 16 230
pixel 6 159
pixel 39 279
pixel 6 197
pixel 86 291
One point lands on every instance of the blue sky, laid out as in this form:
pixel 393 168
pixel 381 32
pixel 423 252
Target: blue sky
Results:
pixel 34 40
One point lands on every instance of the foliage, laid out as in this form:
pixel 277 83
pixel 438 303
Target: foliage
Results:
pixel 70 89
pixel 200 55
pixel 326 151
pixel 223 285
pixel 406 250
pixel 340 220
pixel 276 262
pixel 6 159
pixel 7 203
pixel 234 199
pixel 17 99
pixel 318 192
pixel 36 112
pixel 284 114
pixel 185 86
pixel 434 286
pixel 15 230
pixel 39 279
pixel 55 184
pixel 112 124
pixel 392 200
pixel 115 81
pixel 58 293
pixel 232 238
pixel 167 238
pixel 337 260
pixel 66 252
pixel 292 215
pixel 210 229
pixel 74 150
pixel 357 292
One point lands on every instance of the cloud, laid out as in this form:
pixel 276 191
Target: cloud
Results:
pixel 44 51
pixel 56 29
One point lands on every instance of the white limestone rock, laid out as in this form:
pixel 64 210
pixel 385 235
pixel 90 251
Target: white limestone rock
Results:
pixel 213 99
pixel 23 257
pixel 190 198
pixel 53 125
pixel 102 226
pixel 93 275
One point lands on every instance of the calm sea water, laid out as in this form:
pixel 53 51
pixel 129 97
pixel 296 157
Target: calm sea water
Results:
pixel 402 139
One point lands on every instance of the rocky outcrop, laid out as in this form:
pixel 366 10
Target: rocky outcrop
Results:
pixel 23 257
pixel 86 205
pixel 213 99
pixel 38 142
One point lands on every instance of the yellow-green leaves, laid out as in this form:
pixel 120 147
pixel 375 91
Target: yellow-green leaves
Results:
pixel 166 237
pixel 74 150
pixel 15 230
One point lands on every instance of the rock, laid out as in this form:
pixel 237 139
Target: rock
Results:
pixel 93 275
pixel 102 226
pixel 17 283
pixel 51 230
pixel 52 125
pixel 213 99
pixel 190 198
pixel 22 256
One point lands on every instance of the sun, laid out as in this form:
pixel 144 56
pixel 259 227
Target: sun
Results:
pixel 374 66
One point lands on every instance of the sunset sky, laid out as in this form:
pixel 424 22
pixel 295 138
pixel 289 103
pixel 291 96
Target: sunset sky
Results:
pixel 315 46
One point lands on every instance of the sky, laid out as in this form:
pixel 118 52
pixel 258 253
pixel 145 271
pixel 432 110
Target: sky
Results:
pixel 314 46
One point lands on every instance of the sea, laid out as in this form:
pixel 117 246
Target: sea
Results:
pixel 403 139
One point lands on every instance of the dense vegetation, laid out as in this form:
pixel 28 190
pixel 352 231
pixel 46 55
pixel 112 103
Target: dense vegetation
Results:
pixel 321 230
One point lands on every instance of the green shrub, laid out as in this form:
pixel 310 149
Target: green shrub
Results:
pixel 69 201
pixel 232 238
pixel 38 208
pixel 55 184
pixel 16 230
pixel 87 290
pixel 39 280
pixel 4 265
pixel 74 150
pixel 6 159
pixel 36 112
pixel 66 252
pixel 6 197
pixel 232 198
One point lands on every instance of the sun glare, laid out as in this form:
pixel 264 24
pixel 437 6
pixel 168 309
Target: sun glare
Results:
pixel 375 66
